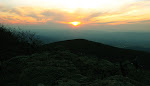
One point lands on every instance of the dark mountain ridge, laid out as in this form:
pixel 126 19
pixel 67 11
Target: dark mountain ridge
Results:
pixel 83 46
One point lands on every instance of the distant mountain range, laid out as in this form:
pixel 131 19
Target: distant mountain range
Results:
pixel 138 48
pixel 129 40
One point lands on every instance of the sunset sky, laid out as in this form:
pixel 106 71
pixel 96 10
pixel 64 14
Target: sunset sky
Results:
pixel 89 13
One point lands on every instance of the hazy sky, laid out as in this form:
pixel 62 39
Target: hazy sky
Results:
pixel 120 14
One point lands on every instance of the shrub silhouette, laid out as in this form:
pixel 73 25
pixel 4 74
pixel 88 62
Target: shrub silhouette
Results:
pixel 14 43
pixel 61 68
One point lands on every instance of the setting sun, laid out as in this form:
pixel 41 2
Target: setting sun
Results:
pixel 75 23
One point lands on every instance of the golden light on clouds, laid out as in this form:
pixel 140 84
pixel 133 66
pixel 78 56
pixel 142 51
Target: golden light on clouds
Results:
pixel 106 12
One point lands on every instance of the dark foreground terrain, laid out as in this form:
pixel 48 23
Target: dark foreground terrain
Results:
pixel 78 62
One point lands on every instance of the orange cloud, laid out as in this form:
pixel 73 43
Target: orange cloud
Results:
pixel 23 15
pixel 137 11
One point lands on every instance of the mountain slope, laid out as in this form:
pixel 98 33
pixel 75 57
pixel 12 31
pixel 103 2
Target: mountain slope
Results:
pixel 82 46
pixel 76 62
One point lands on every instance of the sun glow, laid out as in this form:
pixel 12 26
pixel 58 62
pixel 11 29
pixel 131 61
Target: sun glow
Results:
pixel 94 12
pixel 75 23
